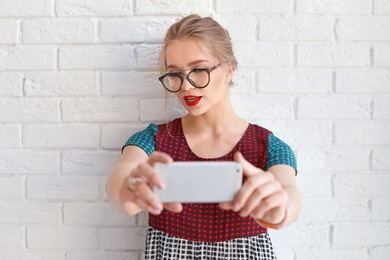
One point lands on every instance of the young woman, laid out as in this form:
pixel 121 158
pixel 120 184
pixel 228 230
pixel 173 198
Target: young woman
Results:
pixel 197 64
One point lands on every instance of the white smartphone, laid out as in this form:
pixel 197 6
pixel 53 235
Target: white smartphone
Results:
pixel 199 182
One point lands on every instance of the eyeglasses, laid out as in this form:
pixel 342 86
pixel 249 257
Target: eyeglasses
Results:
pixel 199 78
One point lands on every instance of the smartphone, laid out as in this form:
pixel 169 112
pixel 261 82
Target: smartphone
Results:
pixel 199 182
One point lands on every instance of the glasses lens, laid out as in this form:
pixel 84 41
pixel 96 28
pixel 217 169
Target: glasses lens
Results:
pixel 199 78
pixel 172 82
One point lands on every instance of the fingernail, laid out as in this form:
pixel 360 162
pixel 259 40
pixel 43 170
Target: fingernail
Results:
pixel 243 213
pixel 236 207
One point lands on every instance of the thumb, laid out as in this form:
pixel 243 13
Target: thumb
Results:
pixel 248 168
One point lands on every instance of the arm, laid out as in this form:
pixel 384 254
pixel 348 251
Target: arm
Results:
pixel 117 191
pixel 264 195
pixel 285 175
pixel 136 163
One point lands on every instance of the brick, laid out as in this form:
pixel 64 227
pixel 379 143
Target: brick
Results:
pixel 147 56
pixel 363 28
pixel 29 161
pixel 30 213
pixel 132 83
pixel 96 57
pixel 266 54
pixel 115 136
pixel 244 81
pixel 100 109
pixel 12 188
pixel 11 84
pixel 122 238
pixel 27 58
pixel 22 255
pixel 301 133
pixel 361 234
pixel 314 186
pixel 45 83
pixel 380 208
pixel 29 110
pixel 95 214
pixel 134 29
pixel 251 105
pixel 59 237
pixel 331 55
pixel 142 218
pixel 370 133
pixel 296 27
pixel 380 252
pixel 334 107
pixel 58 31
pixel 10 136
pixel 334 253
pixel 11 237
pixel 240 27
pixel 382 107
pixel 367 82
pixel 155 110
pixel 349 7
pixel 333 159
pixel 380 158
pixel 254 7
pixel 286 81
pixel 8 31
pixel 62 188
pixel 92 163
pixel 180 7
pixel 93 7
pixel 382 56
pixel 337 210
pixel 61 136
pixel 304 234
pixel 254 107
pixel 25 8
pixel 381 7
pixel 361 185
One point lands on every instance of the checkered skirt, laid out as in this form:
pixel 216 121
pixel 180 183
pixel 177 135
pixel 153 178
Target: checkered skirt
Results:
pixel 161 246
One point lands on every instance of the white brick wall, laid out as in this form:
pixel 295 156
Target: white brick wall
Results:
pixel 77 78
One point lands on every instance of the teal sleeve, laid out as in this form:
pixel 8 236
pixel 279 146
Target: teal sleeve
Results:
pixel 279 153
pixel 144 139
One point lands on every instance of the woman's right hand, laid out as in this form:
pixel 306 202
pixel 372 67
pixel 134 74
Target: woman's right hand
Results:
pixel 141 182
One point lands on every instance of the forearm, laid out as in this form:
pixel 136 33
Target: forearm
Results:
pixel 295 197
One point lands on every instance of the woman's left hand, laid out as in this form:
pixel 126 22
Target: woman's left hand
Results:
pixel 261 195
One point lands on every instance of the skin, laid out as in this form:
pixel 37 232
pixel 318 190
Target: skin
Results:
pixel 212 129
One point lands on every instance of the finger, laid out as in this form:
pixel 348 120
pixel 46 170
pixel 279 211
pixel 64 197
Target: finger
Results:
pixel 258 195
pixel 273 207
pixel 248 188
pixel 159 157
pixel 226 205
pixel 174 207
pixel 248 168
pixel 147 173
pixel 147 198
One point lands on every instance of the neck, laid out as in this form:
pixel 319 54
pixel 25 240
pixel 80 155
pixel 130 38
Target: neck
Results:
pixel 219 119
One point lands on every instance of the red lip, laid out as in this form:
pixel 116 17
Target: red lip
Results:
pixel 192 100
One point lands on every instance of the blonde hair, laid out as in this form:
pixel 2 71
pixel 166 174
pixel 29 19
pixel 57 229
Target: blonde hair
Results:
pixel 209 34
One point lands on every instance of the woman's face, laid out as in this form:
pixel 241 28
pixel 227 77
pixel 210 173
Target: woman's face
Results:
pixel 183 56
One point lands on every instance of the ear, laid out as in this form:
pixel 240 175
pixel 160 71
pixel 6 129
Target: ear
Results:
pixel 229 73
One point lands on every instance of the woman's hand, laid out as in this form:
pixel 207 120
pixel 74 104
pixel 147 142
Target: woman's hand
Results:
pixel 141 181
pixel 261 197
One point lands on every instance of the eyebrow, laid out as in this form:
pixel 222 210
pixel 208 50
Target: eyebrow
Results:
pixel 189 64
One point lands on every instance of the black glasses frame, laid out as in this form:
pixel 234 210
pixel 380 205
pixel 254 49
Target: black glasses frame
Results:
pixel 187 76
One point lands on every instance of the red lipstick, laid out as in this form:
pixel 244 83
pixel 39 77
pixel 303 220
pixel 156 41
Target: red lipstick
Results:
pixel 192 100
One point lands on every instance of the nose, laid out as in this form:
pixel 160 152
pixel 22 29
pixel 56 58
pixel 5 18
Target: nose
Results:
pixel 186 84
